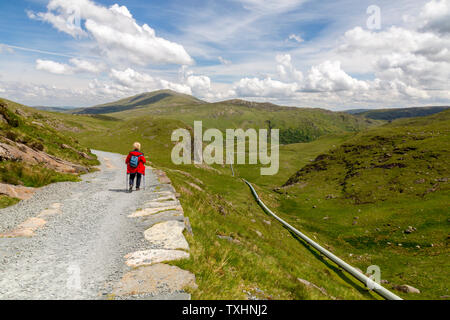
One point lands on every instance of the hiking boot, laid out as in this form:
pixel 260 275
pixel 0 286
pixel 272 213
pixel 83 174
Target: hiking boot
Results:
pixel 131 189
pixel 137 189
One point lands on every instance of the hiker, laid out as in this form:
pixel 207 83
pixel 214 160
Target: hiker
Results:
pixel 136 166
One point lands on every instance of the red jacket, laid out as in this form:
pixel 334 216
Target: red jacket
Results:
pixel 141 165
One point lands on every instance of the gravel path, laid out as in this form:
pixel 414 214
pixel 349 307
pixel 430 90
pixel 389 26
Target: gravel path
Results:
pixel 79 253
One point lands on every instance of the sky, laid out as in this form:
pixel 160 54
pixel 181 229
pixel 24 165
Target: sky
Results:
pixel 337 54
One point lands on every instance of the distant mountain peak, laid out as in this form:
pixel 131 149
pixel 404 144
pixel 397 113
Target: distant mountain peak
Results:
pixel 165 97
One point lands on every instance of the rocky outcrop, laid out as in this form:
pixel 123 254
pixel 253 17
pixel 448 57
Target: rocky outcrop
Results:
pixel 14 151
pixel 80 153
pixel 19 192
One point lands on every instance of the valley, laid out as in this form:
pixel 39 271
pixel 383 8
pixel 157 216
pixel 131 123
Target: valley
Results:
pixel 353 184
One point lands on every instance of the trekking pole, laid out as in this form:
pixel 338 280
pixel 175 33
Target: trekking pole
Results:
pixel 144 179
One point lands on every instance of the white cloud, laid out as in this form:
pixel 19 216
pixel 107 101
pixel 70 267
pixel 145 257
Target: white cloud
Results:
pixel 5 48
pixel 115 32
pixel 53 67
pixel 328 76
pixel 436 16
pixel 64 23
pixel 254 87
pixel 200 85
pixel 77 66
pixel 398 65
pixel 131 81
pixel 86 66
pixel 296 37
pixel 418 59
pixel 39 94
pixel 270 6
pixel 286 71
pixel 224 61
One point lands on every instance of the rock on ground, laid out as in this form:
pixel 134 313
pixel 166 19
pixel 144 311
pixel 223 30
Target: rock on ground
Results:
pixel 152 256
pixel 19 192
pixel 406 288
pixel 167 235
pixel 157 279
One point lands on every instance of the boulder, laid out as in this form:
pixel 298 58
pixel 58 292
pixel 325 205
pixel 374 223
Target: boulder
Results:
pixel 167 235
pixel 151 211
pixel 409 230
pixel 154 280
pixel 230 239
pixel 19 192
pixel 406 288
pixel 153 256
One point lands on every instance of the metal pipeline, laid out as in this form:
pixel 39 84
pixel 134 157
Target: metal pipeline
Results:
pixel 368 282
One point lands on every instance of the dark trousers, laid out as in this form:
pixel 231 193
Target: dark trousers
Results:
pixel 138 180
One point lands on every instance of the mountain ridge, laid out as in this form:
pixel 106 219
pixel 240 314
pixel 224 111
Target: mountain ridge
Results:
pixel 140 100
pixel 397 113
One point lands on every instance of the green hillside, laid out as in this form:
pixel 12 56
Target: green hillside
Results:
pixel 381 198
pixel 164 98
pixel 24 126
pixel 392 114
pixel 408 157
pixel 295 124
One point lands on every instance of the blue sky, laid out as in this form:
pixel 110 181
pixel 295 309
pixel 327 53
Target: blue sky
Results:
pixel 292 52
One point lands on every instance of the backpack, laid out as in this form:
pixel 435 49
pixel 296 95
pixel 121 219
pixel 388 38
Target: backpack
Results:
pixel 134 161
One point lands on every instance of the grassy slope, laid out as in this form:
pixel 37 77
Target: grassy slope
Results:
pixel 296 125
pixel 40 131
pixel 392 114
pixel 225 115
pixel 390 178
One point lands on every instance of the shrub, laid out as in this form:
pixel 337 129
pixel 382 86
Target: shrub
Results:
pixel 11 135
pixel 37 146
pixel 19 173
pixel 10 117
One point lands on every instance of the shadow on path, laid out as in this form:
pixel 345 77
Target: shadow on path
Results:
pixel 119 190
